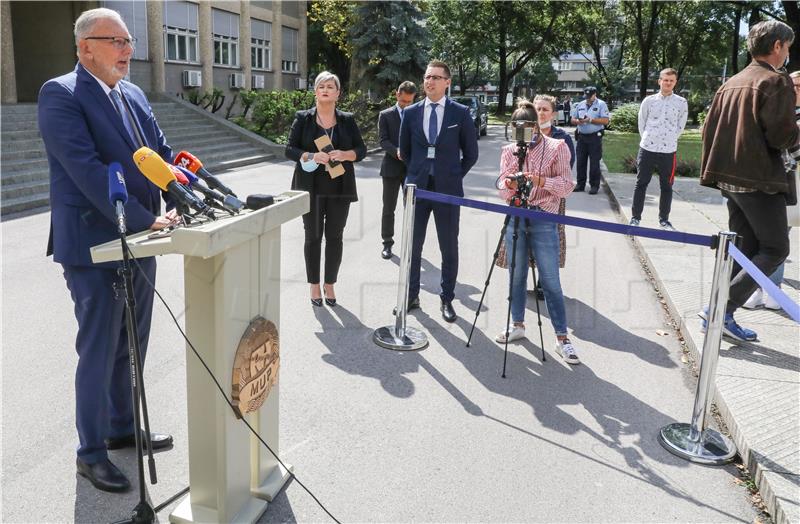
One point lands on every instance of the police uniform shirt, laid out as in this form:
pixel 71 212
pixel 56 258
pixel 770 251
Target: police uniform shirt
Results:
pixel 597 109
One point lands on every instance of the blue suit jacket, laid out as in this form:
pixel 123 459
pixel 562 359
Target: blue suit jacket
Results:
pixel 456 148
pixel 83 134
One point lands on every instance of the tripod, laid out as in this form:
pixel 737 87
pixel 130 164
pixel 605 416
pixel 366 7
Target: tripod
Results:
pixel 519 200
pixel 143 512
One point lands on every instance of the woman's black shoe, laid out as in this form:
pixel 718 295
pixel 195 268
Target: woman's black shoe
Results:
pixel 330 301
pixel 316 302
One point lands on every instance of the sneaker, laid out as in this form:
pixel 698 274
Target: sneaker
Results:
pixel 755 301
pixel 634 222
pixel 516 333
pixel 666 225
pixel 730 328
pixel 567 352
pixel 771 303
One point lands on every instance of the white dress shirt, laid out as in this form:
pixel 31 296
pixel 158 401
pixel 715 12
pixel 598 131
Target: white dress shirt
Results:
pixel 107 90
pixel 426 116
pixel 661 122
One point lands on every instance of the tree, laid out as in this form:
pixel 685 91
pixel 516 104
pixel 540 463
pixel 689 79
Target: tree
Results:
pixel 328 45
pixel 457 39
pixel 643 15
pixel 388 45
pixel 537 77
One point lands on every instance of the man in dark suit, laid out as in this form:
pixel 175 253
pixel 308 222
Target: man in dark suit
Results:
pixel 439 146
pixel 393 170
pixel 89 118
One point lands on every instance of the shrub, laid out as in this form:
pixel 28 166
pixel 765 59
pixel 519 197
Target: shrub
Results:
pixel 273 112
pixel 629 164
pixel 491 107
pixel 687 168
pixel 625 118
pixel 701 118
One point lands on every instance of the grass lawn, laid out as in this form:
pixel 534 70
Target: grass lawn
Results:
pixel 618 145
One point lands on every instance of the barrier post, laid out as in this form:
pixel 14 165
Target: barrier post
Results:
pixel 401 337
pixel 695 442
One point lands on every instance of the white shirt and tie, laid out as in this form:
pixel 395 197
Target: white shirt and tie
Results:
pixel 426 117
pixel 115 95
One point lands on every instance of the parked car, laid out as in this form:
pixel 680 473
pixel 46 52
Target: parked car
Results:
pixel 477 111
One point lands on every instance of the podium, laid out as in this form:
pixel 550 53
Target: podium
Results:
pixel 231 275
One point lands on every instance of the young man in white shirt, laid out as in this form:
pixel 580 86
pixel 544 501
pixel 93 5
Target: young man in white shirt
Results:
pixel 662 117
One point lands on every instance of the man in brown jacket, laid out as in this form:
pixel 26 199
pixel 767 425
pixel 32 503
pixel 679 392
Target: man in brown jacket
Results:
pixel 750 120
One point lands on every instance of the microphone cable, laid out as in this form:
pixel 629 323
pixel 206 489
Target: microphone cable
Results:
pixel 222 392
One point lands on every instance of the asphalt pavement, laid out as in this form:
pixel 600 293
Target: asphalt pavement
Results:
pixel 382 436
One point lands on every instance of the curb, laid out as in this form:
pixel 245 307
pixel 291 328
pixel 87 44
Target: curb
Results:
pixel 754 467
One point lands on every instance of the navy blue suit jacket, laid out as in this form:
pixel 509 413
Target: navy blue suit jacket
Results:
pixel 83 134
pixel 456 148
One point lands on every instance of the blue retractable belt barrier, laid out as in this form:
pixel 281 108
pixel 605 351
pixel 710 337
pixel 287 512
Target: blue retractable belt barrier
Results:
pixel 792 309
pixel 622 229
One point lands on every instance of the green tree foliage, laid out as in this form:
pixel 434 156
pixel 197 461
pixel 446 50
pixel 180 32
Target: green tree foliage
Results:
pixel 329 47
pixel 388 45
pixel 457 39
pixel 625 118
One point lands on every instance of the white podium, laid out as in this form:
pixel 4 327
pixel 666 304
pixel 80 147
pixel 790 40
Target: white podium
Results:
pixel 231 275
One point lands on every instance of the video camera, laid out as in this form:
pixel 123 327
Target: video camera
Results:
pixel 521 131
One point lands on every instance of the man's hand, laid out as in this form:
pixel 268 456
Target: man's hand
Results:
pixel 166 220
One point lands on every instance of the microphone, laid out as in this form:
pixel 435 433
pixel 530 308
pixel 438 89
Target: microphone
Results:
pixel 257 201
pixel 117 193
pixel 158 172
pixel 192 163
pixel 229 202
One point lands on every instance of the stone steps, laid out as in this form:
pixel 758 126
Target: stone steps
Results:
pixel 24 170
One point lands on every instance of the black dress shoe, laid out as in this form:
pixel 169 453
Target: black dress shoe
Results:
pixel 412 304
pixel 593 190
pixel 104 475
pixel 157 440
pixel 386 254
pixel 578 189
pixel 330 301
pixel 316 302
pixel 448 313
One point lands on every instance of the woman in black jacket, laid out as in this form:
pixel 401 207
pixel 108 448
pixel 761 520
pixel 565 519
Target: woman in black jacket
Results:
pixel 330 197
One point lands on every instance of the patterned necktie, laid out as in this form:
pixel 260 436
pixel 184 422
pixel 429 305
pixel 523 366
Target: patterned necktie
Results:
pixel 123 113
pixel 433 125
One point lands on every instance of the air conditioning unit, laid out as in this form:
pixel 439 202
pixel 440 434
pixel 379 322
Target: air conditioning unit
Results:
pixel 192 78
pixel 258 81
pixel 299 83
pixel 236 80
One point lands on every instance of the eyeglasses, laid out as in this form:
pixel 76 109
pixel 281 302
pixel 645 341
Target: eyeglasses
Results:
pixel 118 42
pixel 435 77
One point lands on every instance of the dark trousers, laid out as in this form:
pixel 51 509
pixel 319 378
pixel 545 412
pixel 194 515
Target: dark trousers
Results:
pixel 104 407
pixel 391 188
pixel 446 218
pixel 589 152
pixel 760 221
pixel 665 164
pixel 327 218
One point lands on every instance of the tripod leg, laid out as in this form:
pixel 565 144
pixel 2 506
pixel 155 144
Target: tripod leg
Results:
pixel 512 264
pixel 538 311
pixel 488 277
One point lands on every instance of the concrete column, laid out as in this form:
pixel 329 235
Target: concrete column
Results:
pixel 302 45
pixel 277 43
pixel 206 44
pixel 155 45
pixel 244 43
pixel 8 82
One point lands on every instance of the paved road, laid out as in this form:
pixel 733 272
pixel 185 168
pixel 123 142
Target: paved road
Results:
pixel 382 436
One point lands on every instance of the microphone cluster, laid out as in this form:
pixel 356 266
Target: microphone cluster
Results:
pixel 181 181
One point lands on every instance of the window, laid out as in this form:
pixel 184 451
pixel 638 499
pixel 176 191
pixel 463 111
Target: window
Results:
pixel 225 27
pixel 134 13
pixel 180 32
pixel 260 37
pixel 289 50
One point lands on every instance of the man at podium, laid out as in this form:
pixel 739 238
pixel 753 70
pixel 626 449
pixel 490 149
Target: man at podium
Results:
pixel 89 118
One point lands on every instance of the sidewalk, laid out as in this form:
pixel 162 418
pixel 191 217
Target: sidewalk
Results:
pixel 758 384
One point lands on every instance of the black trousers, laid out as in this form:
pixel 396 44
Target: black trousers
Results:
pixel 327 218
pixel 391 188
pixel 665 164
pixel 760 221
pixel 589 152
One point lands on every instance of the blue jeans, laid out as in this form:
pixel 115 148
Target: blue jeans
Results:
pixel 542 238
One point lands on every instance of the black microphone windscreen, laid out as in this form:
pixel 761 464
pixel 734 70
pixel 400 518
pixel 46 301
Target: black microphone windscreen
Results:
pixel 258 201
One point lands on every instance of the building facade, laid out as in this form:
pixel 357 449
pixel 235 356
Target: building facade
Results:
pixel 181 45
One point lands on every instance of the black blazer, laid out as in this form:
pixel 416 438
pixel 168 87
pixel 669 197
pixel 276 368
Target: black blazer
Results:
pixel 389 132
pixel 345 137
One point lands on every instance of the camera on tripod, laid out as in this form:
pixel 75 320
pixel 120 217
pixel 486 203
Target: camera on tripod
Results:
pixel 521 131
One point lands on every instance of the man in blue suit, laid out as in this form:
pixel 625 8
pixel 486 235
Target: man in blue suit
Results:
pixel 439 146
pixel 89 118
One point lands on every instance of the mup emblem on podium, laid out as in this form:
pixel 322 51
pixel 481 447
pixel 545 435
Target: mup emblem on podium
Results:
pixel 255 366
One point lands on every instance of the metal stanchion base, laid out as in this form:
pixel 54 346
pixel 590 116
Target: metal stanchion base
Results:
pixel 713 449
pixel 413 340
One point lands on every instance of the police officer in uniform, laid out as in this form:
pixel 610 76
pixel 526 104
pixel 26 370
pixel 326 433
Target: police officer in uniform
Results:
pixel 591 117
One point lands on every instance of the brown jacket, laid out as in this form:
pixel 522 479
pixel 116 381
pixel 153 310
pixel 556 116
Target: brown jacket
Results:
pixel 750 120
